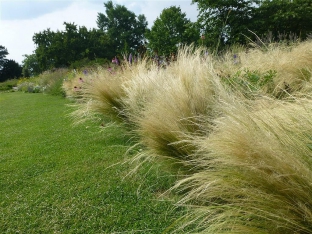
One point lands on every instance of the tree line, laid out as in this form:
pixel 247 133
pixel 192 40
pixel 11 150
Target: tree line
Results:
pixel 220 23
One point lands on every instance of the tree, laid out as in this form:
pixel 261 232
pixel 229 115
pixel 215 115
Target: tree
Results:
pixel 30 65
pixel 171 30
pixel 123 27
pixel 43 41
pixel 62 48
pixel 3 54
pixel 282 18
pixel 225 22
pixel 10 70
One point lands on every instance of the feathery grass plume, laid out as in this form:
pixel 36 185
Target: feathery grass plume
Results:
pixel 102 94
pixel 258 171
pixel 292 64
pixel 145 79
pixel 164 103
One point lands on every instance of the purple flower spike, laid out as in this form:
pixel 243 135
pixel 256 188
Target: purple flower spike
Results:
pixel 130 58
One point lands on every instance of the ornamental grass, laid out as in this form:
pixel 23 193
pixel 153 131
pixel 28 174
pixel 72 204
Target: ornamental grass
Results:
pixel 240 130
pixel 164 104
pixel 256 174
pixel 101 92
pixel 289 65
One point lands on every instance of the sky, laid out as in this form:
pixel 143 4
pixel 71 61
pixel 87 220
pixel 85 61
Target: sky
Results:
pixel 21 19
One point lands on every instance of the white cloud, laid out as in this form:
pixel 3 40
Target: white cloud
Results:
pixel 16 35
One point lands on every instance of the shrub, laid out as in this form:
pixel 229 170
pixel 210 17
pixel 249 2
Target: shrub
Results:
pixel 251 83
pixel 29 85
pixel 49 82
pixel 8 85
pixel 86 63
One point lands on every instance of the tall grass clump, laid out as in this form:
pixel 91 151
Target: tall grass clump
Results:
pixel 29 85
pixel 52 81
pixel 165 104
pixel 257 171
pixel 101 91
pixel 290 67
pixel 73 85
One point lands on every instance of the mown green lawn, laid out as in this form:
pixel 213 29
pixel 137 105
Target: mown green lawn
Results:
pixel 60 178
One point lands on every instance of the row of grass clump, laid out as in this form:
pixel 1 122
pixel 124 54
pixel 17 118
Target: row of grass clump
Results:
pixel 238 127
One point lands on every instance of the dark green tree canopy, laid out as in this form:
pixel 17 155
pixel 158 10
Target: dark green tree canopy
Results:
pixel 3 54
pixel 123 27
pixel 171 30
pixel 61 48
pixel 226 22
pixel 30 65
pixel 281 18
pixel 10 70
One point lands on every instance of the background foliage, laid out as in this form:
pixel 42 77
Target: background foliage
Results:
pixel 123 27
pixel 120 32
pixel 62 48
pixel 171 30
